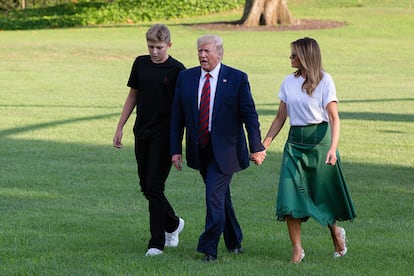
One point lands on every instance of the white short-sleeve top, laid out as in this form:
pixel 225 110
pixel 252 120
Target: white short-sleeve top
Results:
pixel 302 108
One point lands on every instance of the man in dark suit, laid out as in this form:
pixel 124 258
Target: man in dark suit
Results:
pixel 213 102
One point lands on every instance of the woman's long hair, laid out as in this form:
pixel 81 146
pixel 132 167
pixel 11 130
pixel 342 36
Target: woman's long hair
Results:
pixel 309 55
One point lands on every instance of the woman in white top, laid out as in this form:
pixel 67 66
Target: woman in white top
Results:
pixel 311 182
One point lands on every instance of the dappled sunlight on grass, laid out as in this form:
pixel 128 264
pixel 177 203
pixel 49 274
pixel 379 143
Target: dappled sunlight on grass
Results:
pixel 27 193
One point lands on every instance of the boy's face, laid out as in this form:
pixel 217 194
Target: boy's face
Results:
pixel 158 51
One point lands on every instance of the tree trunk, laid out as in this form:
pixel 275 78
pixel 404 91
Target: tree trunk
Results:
pixel 266 12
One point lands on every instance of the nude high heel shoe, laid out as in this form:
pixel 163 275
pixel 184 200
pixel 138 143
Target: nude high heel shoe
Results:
pixel 338 254
pixel 301 258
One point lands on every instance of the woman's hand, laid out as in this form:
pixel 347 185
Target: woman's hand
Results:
pixel 331 158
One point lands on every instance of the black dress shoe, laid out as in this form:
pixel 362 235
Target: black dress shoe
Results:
pixel 209 258
pixel 236 250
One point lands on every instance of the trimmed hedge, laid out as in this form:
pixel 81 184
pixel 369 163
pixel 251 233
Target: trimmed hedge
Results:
pixel 118 12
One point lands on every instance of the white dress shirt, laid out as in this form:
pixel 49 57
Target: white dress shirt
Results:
pixel 213 85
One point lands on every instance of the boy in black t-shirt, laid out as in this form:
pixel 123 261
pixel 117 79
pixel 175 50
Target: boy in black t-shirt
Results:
pixel 152 83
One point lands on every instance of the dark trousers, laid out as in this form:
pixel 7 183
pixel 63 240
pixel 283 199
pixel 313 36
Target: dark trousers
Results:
pixel 220 216
pixel 154 165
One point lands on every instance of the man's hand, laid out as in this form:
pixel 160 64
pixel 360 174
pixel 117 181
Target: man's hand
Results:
pixel 258 157
pixel 177 160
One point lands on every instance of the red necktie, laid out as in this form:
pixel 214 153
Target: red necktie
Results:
pixel 204 112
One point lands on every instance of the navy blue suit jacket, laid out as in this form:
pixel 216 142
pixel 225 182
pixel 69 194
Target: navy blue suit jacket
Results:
pixel 233 107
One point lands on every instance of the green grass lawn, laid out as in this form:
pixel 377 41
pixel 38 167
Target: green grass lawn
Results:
pixel 70 202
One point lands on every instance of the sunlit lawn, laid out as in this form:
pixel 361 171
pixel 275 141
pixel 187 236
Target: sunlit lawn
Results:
pixel 70 203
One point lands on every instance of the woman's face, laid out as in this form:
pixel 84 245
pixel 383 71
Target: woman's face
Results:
pixel 294 60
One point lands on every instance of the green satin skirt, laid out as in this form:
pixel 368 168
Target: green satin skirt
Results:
pixel 308 187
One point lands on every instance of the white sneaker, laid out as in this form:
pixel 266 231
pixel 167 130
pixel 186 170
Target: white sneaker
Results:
pixel 153 252
pixel 171 239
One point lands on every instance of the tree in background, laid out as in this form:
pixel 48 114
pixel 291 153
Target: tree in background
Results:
pixel 266 12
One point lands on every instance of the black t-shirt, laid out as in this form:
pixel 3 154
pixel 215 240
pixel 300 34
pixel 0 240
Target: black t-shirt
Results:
pixel 155 83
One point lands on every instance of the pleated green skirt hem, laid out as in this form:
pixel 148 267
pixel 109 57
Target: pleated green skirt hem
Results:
pixel 307 186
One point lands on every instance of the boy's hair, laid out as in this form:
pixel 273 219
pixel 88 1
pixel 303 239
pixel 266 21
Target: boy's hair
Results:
pixel 158 33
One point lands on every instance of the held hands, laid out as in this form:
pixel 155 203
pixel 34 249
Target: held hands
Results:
pixel 258 157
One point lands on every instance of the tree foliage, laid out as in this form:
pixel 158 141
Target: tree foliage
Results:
pixel 7 5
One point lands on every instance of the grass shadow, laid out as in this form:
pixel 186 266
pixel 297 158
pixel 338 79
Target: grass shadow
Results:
pixel 71 206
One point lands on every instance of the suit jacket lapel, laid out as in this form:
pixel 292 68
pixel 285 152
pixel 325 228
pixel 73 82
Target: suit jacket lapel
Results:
pixel 220 89
pixel 194 93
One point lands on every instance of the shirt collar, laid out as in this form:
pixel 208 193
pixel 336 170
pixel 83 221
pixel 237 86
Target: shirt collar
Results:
pixel 213 73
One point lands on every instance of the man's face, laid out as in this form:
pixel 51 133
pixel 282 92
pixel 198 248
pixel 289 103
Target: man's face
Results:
pixel 208 56
pixel 158 51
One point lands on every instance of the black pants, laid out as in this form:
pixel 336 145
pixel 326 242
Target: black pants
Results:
pixel 154 165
